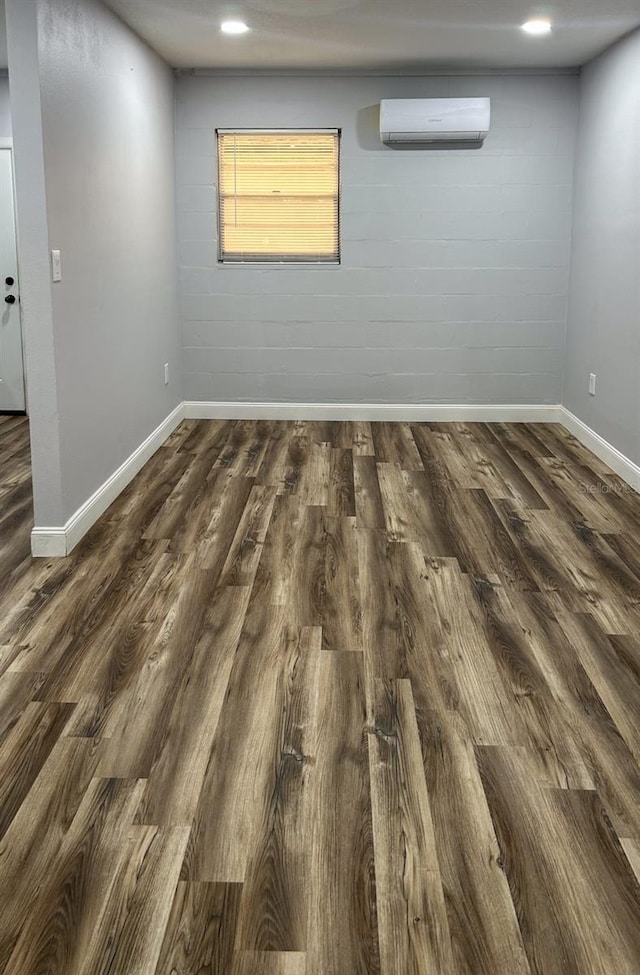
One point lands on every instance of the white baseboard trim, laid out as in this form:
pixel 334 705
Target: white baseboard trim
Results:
pixel 56 541
pixel 611 456
pixel 51 542
pixel 402 412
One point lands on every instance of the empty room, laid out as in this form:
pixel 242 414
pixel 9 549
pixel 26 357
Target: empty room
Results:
pixel 319 487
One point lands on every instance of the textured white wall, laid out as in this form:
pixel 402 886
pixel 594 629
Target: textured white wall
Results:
pixel 95 165
pixel 107 110
pixel 5 110
pixel 33 257
pixel 107 131
pixel 454 279
pixel 603 335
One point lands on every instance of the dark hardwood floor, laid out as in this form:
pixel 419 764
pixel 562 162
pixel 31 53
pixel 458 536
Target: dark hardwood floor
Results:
pixel 326 698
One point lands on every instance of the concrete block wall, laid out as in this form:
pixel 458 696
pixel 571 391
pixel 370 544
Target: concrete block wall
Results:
pixel 454 276
pixel 603 334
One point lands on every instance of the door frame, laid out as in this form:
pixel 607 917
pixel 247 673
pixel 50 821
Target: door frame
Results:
pixel 6 142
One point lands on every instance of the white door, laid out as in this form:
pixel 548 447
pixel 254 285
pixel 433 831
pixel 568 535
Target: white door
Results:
pixel 11 365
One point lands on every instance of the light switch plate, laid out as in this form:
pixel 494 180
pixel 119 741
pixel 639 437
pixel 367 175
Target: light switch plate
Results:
pixel 56 266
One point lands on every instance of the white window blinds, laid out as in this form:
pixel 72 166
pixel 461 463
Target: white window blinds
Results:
pixel 279 196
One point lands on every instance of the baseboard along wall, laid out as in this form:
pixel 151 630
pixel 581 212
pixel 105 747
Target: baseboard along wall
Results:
pixel 52 542
pixel 56 541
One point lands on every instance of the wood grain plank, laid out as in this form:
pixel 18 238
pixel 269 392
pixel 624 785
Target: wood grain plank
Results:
pixel 104 679
pixel 24 752
pixel 17 690
pixel 59 927
pixel 205 438
pixel 177 773
pixel 370 691
pixel 273 912
pixel 587 723
pixel 242 559
pixel 341 493
pixel 475 887
pixel 362 439
pixel 400 640
pixel 394 444
pixel 55 638
pixel 399 518
pixel 576 896
pixel 301 575
pixel 585 495
pixel 444 444
pixel 468 462
pixel 529 463
pixel 244 449
pixel 313 484
pixel 368 500
pixel 383 601
pixel 156 481
pixel 274 462
pixel 129 935
pixel 341 617
pixel 632 853
pixel 7 655
pixel 520 486
pixel 238 780
pixel 467 527
pixel 612 664
pixel 111 626
pixel 201 930
pixel 590 475
pixel 341 878
pixel 181 503
pixel 33 839
pixel 514 643
pixel 269 963
pixel 485 701
pixel 131 751
pixel 209 532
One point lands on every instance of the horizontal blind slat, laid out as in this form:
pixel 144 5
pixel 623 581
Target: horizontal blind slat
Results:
pixel 279 196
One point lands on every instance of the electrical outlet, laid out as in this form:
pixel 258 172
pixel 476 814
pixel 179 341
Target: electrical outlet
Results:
pixel 166 373
pixel 592 384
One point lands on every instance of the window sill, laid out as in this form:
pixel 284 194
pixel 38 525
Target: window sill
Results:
pixel 284 265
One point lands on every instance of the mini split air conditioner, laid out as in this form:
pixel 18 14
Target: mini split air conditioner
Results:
pixel 436 123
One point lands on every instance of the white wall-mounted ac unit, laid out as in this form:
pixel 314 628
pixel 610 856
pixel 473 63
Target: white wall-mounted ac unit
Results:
pixel 434 122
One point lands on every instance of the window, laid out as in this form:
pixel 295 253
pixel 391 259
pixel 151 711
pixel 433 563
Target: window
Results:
pixel 279 196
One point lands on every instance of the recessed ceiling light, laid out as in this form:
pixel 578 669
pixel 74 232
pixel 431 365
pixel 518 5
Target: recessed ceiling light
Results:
pixel 537 27
pixel 234 27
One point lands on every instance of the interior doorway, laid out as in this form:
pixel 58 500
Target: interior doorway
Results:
pixel 12 386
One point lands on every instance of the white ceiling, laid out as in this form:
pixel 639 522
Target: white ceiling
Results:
pixel 404 35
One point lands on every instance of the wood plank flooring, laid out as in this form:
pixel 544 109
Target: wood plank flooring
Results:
pixel 326 699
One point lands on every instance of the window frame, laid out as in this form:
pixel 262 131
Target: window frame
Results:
pixel 275 262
